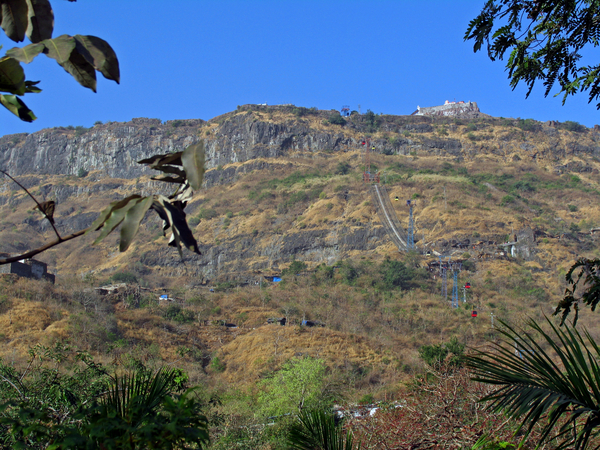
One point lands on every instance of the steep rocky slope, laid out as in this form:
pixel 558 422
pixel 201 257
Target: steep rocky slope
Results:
pixel 284 183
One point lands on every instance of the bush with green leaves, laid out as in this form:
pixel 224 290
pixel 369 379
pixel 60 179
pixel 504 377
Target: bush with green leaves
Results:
pixel 124 277
pixel 528 125
pixel 396 275
pixel 178 314
pixel 372 120
pixel 437 355
pixel 47 406
pixel 299 384
pixel 336 119
pixel 207 213
pixel 342 168
pixel 507 200
pixel 574 127
pixel 294 268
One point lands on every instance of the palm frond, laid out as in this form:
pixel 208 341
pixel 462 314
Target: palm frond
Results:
pixel 137 394
pixel 532 387
pixel 317 430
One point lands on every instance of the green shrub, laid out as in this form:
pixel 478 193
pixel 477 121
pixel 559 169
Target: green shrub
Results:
pixel 528 125
pixel 82 173
pixel 575 127
pixel 336 119
pixel 217 365
pixel 372 120
pixel 435 355
pixel 79 130
pixel 395 274
pixel 124 277
pixel 507 199
pixel 572 208
pixel 348 272
pixel 301 111
pixel 178 314
pixel 294 268
pixel 207 213
pixel 342 168
pixel 224 286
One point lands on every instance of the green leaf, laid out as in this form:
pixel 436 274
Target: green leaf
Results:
pixel 27 53
pixel 12 76
pixel 31 87
pixel 167 179
pixel 59 48
pixel 16 106
pixel 40 20
pixel 112 216
pixel 14 18
pixel 100 55
pixel 81 70
pixel 159 160
pixel 192 160
pixel 131 224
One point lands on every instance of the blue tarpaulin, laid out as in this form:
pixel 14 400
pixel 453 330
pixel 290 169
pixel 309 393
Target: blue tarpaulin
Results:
pixel 164 297
pixel 276 279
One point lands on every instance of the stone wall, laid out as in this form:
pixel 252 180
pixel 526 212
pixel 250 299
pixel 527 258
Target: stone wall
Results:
pixel 28 269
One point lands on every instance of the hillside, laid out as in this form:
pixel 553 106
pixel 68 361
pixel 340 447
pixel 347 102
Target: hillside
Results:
pixel 284 184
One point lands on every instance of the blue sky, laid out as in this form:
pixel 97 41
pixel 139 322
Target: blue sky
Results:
pixel 185 59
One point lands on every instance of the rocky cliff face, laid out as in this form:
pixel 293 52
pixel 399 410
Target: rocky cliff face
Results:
pixel 252 143
pixel 256 132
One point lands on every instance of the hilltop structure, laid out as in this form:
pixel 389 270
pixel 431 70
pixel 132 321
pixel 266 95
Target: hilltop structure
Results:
pixel 452 109
pixel 28 268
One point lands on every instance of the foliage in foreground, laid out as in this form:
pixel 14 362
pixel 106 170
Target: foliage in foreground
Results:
pixel 534 390
pixel 439 409
pixel 45 408
pixel 546 40
pixel 589 274
pixel 316 430
pixel 81 56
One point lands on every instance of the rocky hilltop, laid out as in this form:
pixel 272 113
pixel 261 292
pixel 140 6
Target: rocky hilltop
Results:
pixel 284 183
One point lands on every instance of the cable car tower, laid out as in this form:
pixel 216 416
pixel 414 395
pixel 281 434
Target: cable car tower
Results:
pixel 454 288
pixel 369 177
pixel 410 242
pixel 455 267
pixel 444 277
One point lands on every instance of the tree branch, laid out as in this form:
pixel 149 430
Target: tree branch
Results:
pixel 36 202
pixel 13 385
pixel 42 248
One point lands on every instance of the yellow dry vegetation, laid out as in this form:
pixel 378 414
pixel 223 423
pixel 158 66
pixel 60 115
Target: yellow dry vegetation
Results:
pixel 267 347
